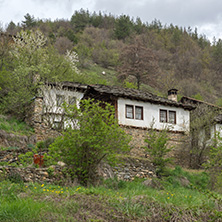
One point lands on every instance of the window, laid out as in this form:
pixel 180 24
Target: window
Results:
pixel 60 99
pixel 72 100
pixel 138 112
pixel 129 112
pixel 167 116
pixel 163 116
pixel 172 117
pixel 134 112
pixel 207 133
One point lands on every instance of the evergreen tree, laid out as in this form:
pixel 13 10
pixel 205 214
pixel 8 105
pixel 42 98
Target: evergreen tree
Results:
pixel 123 27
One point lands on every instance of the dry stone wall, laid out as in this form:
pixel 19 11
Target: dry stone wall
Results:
pixel 128 170
pixel 12 140
pixel 179 141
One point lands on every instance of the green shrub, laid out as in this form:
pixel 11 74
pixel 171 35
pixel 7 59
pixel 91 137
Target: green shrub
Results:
pixel 26 159
pixel 12 125
pixel 158 149
pixel 15 177
pixel 97 137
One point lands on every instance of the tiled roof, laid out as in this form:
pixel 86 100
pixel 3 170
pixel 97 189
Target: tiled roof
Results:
pixel 135 94
pixel 69 85
pixel 189 100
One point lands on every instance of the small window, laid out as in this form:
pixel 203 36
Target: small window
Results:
pixel 139 112
pixel 207 133
pixel 57 125
pixel 172 117
pixel 60 99
pixel 129 112
pixel 72 100
pixel 163 116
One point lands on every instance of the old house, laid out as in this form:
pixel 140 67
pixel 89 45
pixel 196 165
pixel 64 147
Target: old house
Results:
pixel 135 110
pixel 206 122
pixel 46 114
pixel 209 117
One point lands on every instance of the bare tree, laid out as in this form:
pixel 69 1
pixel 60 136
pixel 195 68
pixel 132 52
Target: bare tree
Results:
pixel 139 62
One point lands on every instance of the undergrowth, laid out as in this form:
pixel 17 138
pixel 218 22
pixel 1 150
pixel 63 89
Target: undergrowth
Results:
pixel 113 200
pixel 12 125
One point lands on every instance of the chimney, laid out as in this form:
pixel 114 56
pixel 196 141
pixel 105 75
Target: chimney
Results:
pixel 172 94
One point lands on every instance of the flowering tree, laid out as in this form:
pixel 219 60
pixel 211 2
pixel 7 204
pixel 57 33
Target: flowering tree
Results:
pixel 34 62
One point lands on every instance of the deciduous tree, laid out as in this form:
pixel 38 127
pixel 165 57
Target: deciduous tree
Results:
pixel 139 62
pixel 33 63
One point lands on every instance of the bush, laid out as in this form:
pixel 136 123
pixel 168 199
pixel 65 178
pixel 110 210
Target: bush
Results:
pixel 93 135
pixel 214 164
pixel 158 150
pixel 15 178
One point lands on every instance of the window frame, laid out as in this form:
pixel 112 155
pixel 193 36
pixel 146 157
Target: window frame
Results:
pixel 133 107
pixel 168 113
pixel 140 107
pixel 72 98
pixel 163 111
pixel 63 100
pixel 129 106
pixel 175 116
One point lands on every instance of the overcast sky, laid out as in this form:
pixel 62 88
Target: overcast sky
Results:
pixel 205 15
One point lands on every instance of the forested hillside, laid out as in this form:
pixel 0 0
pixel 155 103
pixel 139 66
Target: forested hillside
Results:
pixel 120 50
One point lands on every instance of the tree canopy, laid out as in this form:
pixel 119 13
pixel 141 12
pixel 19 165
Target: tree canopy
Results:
pixel 30 61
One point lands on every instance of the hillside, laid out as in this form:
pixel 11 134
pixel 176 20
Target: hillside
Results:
pixel 168 200
pixel 183 59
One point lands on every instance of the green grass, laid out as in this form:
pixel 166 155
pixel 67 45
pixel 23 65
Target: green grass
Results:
pixel 113 200
pixel 12 125
pixel 94 75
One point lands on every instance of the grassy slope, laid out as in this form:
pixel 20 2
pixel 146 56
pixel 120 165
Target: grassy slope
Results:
pixel 112 201
pixel 12 125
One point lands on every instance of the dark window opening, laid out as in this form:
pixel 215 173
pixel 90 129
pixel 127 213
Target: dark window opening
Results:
pixel 72 100
pixel 60 99
pixel 172 117
pixel 167 116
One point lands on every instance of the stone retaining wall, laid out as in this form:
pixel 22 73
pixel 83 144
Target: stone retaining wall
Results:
pixel 12 140
pixel 128 170
pixel 32 174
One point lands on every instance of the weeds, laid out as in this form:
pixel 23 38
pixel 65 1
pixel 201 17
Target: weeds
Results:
pixel 112 200
pixel 12 125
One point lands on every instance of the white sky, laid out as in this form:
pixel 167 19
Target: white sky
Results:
pixel 205 15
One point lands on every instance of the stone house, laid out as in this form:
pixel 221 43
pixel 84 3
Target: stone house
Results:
pixel 135 110
pixel 211 116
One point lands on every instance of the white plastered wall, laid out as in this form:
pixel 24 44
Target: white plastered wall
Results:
pixel 49 98
pixel 151 116
pixel 53 113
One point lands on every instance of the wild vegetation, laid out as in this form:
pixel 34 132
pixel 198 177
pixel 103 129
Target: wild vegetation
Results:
pixel 177 57
pixel 113 200
pixel 99 48
pixel 96 137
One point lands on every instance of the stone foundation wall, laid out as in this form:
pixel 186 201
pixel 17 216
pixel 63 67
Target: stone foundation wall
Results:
pixel 179 141
pixel 12 140
pixel 129 169
pixel 35 118
pixel 31 174
pixel 43 132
